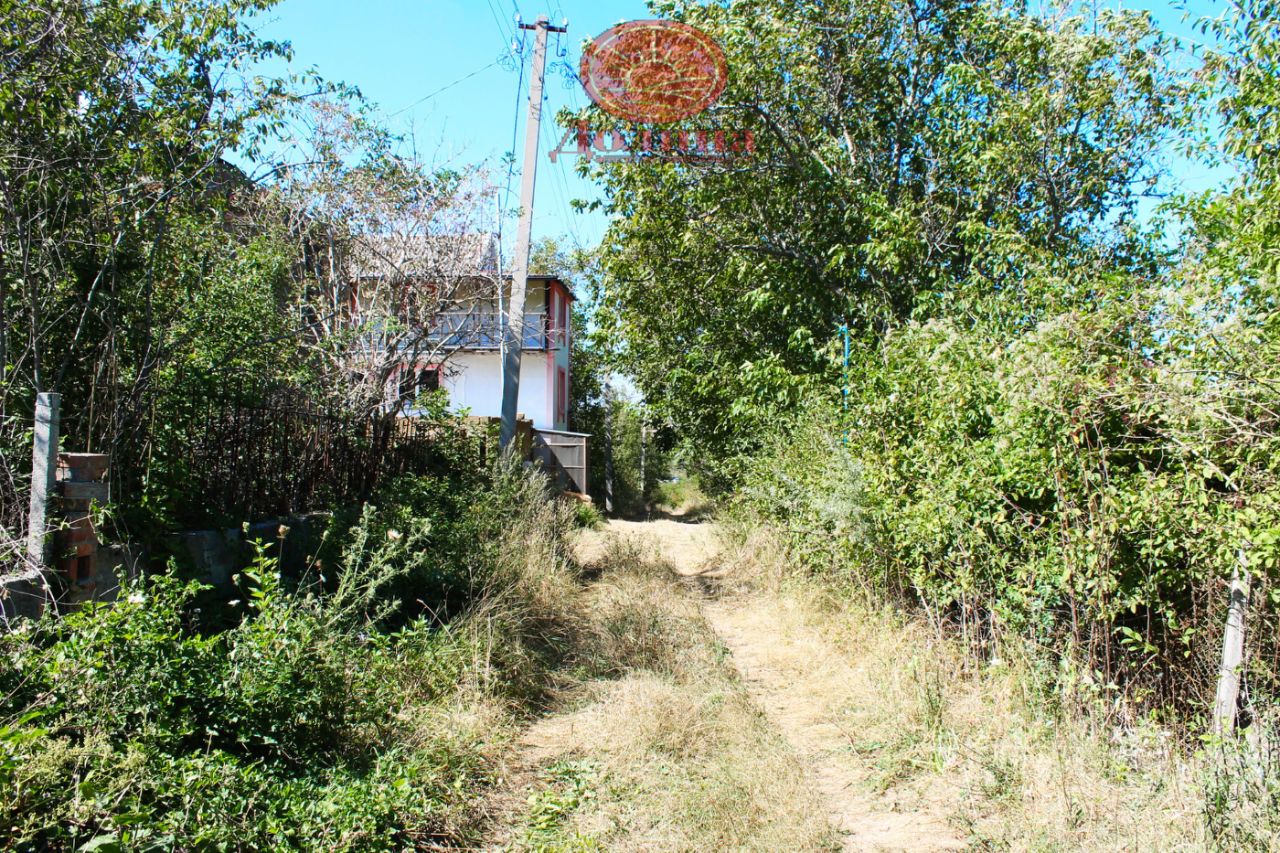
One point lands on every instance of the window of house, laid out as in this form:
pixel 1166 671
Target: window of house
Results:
pixel 415 381
pixel 429 379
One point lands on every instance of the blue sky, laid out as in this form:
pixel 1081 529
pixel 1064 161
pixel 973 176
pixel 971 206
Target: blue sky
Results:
pixel 431 65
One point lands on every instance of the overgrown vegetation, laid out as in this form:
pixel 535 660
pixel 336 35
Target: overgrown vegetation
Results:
pixel 990 747
pixel 1060 418
pixel 360 708
pixel 181 233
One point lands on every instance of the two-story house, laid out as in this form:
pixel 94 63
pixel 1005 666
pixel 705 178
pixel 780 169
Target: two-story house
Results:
pixel 472 373
pixel 433 319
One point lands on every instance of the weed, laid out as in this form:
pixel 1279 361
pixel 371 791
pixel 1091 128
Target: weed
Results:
pixel 358 710
pixel 569 785
pixel 587 516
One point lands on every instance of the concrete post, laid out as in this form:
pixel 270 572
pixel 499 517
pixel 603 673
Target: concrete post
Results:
pixel 1233 635
pixel 608 452
pixel 44 470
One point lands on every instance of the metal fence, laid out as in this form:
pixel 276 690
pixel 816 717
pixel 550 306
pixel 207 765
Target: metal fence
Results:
pixel 225 460
pixel 565 456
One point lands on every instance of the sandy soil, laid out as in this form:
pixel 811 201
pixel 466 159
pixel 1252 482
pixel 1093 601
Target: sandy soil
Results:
pixel 789 671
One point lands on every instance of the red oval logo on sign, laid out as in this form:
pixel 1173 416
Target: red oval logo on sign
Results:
pixel 654 71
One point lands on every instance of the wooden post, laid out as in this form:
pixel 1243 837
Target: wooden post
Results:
pixel 1224 706
pixel 44 470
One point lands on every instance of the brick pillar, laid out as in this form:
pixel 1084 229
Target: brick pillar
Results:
pixel 82 479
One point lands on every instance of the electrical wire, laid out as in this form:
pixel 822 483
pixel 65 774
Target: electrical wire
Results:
pixel 511 164
pixel 505 31
pixel 457 82
pixel 560 188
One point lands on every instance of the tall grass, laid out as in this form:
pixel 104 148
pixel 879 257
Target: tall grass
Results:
pixel 1021 747
pixel 660 747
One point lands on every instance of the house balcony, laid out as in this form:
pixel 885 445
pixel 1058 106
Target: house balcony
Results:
pixel 483 331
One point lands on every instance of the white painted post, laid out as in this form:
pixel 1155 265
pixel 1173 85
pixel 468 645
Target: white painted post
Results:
pixel 644 482
pixel 1224 706
pixel 44 470
pixel 608 452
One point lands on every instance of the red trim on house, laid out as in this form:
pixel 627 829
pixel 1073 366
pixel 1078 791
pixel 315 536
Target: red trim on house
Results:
pixel 562 399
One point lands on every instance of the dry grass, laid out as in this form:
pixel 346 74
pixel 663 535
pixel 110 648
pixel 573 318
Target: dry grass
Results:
pixel 979 743
pixel 854 717
pixel 662 750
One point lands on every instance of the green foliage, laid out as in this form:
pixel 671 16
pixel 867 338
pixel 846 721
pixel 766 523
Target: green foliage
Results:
pixel 570 786
pixel 636 468
pixel 907 154
pixel 587 516
pixel 1079 484
pixel 131 251
pixel 306 724
pixel 1059 422
pixel 1242 796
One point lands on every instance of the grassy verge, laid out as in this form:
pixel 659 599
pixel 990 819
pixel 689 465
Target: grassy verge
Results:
pixel 660 748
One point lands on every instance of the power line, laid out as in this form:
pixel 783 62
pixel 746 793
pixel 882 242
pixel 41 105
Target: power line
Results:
pixel 511 164
pixel 507 34
pixel 457 82
pixel 560 187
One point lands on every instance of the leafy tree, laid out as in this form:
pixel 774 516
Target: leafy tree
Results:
pixel 909 156
pixel 116 203
pixel 144 275
pixel 1085 451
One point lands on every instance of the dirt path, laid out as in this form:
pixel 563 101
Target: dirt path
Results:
pixel 790 672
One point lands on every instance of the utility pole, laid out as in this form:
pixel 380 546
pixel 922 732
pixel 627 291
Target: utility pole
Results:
pixel 513 340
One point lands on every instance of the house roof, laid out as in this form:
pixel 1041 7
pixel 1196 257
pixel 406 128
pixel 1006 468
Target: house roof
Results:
pixel 435 256
pixel 549 278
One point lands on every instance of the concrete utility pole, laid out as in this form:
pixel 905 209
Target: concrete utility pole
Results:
pixel 513 340
pixel 44 468
pixel 608 450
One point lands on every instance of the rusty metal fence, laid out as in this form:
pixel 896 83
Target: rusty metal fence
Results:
pixel 565 457
pixel 225 459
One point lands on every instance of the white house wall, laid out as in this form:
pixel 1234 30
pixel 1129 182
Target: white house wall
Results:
pixel 474 383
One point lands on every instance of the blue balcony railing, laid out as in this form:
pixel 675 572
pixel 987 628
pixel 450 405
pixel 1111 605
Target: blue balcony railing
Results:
pixel 484 330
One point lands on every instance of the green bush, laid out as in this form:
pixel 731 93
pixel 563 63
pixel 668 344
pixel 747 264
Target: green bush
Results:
pixel 1070 483
pixel 587 516
pixel 305 725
